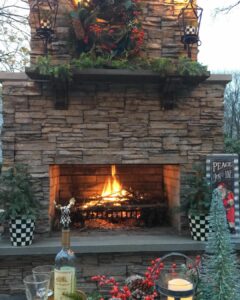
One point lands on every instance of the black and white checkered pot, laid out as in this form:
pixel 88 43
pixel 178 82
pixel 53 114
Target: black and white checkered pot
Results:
pixel 199 225
pixel 21 231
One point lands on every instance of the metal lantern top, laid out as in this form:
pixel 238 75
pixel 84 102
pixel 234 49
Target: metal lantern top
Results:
pixel 179 277
pixel 45 13
pixel 189 22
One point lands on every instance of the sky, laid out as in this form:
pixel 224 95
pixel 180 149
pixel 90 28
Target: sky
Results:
pixel 220 49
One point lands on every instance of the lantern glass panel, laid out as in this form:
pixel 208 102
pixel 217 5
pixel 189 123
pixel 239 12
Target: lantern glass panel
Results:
pixel 189 22
pixel 45 19
pixel 45 12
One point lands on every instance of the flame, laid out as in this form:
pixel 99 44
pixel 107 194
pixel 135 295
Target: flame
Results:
pixel 112 192
pixel 77 3
pixel 112 186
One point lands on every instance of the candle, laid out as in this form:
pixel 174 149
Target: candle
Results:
pixel 179 285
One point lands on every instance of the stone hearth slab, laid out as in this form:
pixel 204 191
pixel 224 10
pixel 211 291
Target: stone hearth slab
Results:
pixel 104 243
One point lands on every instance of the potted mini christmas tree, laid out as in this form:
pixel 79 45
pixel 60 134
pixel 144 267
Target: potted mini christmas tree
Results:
pixel 196 202
pixel 20 207
pixel 220 271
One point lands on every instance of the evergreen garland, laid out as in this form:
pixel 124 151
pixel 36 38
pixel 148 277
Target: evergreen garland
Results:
pixel 108 27
pixel 219 274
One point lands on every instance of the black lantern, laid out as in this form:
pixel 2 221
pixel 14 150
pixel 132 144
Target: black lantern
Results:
pixel 179 278
pixel 45 13
pixel 189 23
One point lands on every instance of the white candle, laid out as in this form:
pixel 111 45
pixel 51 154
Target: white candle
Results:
pixel 179 285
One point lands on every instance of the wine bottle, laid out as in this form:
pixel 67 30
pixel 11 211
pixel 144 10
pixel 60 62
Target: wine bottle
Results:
pixel 65 271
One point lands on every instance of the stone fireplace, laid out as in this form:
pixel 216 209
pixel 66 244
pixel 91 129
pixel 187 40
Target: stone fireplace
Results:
pixel 109 124
pixel 126 119
pixel 134 131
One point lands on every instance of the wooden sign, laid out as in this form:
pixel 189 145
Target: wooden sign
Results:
pixel 223 172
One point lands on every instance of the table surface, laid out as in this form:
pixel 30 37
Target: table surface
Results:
pixel 12 297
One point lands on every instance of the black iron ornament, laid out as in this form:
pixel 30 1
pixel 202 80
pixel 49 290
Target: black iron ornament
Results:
pixel 45 14
pixel 189 22
pixel 65 212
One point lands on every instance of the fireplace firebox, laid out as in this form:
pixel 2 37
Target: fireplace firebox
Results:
pixel 112 196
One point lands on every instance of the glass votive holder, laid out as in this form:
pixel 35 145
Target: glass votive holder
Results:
pixel 46 270
pixel 36 286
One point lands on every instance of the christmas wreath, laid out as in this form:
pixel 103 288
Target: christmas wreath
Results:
pixel 108 27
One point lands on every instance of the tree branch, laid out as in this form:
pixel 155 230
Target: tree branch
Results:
pixel 227 9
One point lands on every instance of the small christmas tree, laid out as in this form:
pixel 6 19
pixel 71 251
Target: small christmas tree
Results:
pixel 219 274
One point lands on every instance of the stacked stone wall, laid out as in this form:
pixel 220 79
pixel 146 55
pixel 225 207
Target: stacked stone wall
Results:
pixel 120 265
pixel 159 20
pixel 108 124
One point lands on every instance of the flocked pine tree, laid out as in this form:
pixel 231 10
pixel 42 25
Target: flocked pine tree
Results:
pixel 219 274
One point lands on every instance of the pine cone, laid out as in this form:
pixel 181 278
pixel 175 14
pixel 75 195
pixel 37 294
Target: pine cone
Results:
pixel 137 286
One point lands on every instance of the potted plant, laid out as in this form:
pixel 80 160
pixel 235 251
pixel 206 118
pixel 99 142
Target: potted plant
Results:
pixel 20 207
pixel 197 202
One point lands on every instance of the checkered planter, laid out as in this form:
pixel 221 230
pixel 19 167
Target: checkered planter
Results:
pixel 21 231
pixel 199 226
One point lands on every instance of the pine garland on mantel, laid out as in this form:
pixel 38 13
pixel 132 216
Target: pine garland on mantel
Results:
pixel 107 27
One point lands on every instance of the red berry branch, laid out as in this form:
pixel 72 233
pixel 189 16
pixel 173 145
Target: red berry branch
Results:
pixel 140 287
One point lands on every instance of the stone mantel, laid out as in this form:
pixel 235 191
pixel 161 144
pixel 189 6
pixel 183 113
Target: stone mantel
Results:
pixel 97 73
pixel 170 85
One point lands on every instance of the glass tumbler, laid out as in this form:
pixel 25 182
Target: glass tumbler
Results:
pixel 46 270
pixel 36 286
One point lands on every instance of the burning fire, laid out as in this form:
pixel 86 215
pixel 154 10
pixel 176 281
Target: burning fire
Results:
pixel 112 192
pixel 112 188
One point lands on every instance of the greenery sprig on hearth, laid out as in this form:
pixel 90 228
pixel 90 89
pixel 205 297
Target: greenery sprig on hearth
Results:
pixel 163 66
pixel 107 27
